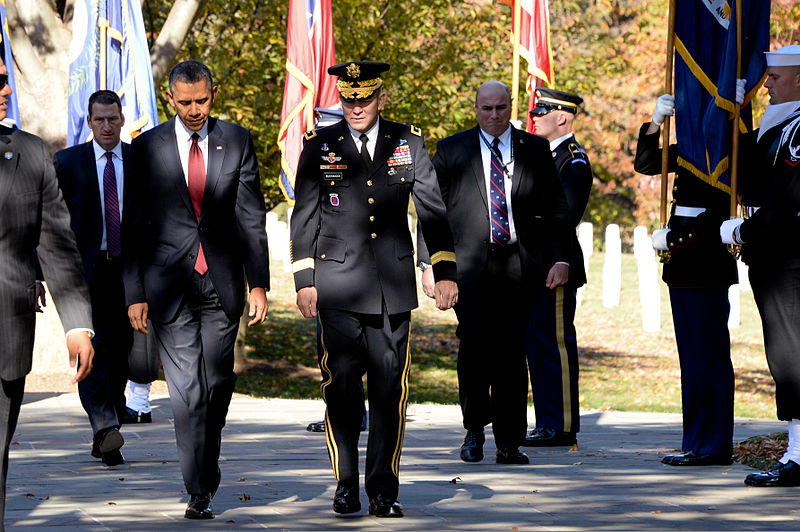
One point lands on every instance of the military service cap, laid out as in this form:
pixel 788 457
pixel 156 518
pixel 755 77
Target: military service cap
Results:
pixel 554 100
pixel 358 80
pixel 785 56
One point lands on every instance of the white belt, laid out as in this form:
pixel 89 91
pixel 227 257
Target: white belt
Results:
pixel 689 212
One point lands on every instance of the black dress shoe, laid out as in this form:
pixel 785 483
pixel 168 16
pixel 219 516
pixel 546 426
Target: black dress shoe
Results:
pixel 199 507
pixel 345 501
pixel 382 506
pixel 693 459
pixel 544 437
pixel 787 474
pixel 132 416
pixel 511 455
pixel 472 448
pixel 106 446
pixel 317 426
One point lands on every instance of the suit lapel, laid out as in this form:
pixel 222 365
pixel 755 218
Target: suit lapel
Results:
pixel 172 163
pixel 126 164
pixel 8 167
pixel 89 165
pixel 216 155
pixel 517 149
pixel 473 149
pixel 347 146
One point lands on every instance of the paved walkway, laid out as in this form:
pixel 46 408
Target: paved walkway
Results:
pixel 275 475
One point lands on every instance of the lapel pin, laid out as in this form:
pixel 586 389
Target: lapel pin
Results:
pixel 219 147
pixel 8 155
pixel 340 139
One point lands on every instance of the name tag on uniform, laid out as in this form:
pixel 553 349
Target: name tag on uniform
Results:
pixel 333 176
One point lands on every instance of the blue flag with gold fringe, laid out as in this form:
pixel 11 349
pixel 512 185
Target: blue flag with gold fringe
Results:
pixel 12 113
pixel 110 51
pixel 705 80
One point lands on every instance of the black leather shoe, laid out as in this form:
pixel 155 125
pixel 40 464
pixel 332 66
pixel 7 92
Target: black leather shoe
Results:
pixel 132 416
pixel 113 458
pixel 345 501
pixel 382 506
pixel 693 459
pixel 511 455
pixel 787 474
pixel 544 437
pixel 317 426
pixel 472 448
pixel 199 507
pixel 106 446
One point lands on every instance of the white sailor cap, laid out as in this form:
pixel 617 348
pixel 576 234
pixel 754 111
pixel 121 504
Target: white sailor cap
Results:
pixel 785 56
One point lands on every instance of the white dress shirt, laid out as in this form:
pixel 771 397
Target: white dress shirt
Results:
pixel 556 143
pixel 372 138
pixel 504 146
pixel 184 137
pixel 100 163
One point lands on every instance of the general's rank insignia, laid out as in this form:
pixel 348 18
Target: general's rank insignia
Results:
pixel 401 156
pixel 331 157
pixel 8 155
pixel 325 146
pixel 334 199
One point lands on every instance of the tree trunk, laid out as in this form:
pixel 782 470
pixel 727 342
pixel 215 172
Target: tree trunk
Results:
pixel 172 34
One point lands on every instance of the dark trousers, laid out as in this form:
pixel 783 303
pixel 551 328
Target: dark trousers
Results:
pixel 492 376
pixel 102 392
pixel 777 295
pixel 700 316
pixel 10 401
pixel 378 345
pixel 197 356
pixel 552 350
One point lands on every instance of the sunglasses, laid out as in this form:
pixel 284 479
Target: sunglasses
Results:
pixel 3 80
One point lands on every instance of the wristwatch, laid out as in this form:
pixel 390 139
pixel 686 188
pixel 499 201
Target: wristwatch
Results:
pixel 423 266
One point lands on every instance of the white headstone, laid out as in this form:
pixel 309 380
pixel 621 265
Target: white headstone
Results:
pixel 612 267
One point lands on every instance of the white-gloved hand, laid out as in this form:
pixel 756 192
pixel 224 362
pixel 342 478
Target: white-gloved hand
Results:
pixel 740 83
pixel 665 106
pixel 729 231
pixel 660 239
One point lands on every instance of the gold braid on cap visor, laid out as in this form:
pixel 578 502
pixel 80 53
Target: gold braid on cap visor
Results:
pixel 362 91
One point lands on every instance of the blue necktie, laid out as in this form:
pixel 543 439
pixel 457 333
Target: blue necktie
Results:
pixel 498 206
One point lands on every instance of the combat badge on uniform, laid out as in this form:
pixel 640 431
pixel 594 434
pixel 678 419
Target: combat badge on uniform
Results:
pixel 331 158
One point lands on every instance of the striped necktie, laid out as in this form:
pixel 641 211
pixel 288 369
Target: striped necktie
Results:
pixel 498 206
pixel 111 202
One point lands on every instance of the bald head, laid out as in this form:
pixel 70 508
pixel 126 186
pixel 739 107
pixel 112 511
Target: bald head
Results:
pixel 493 107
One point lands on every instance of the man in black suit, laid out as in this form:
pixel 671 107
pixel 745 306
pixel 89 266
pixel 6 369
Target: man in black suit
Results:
pixel 552 344
pixel 93 178
pixel 353 263
pixel 196 225
pixel 771 175
pixel 34 221
pixel 512 235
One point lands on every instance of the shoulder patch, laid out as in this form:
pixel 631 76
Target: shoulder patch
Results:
pixel 310 135
pixel 416 131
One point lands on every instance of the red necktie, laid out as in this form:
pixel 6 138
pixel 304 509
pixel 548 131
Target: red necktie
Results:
pixel 197 184
pixel 111 201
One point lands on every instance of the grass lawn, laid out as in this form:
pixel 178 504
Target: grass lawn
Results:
pixel 622 367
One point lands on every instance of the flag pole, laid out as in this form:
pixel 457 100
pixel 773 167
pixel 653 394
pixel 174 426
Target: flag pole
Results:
pixel 515 62
pixel 735 249
pixel 665 255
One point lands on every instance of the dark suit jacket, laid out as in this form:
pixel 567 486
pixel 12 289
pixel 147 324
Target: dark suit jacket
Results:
pixel 76 170
pixel 162 233
pixel 541 215
pixel 350 235
pixel 33 217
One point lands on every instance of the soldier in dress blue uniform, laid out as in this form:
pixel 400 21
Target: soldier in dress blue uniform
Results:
pixel 771 179
pixel 699 272
pixel 552 345
pixel 353 264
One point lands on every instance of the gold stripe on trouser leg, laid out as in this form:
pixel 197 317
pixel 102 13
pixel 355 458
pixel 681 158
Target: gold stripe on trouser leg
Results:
pixel 333 450
pixel 562 350
pixel 402 404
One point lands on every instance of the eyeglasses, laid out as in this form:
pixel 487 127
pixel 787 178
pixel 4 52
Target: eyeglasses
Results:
pixel 3 80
